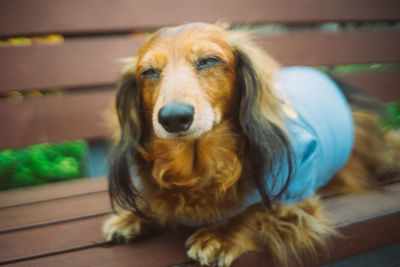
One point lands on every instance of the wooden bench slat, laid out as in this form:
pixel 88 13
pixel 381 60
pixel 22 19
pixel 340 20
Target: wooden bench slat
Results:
pixel 50 239
pixel 56 211
pixel 357 215
pixel 355 207
pixel 369 234
pixel 95 62
pixel 55 118
pixel 358 238
pixel 83 63
pixel 159 251
pixel 382 84
pixel 313 48
pixel 53 191
pixel 19 17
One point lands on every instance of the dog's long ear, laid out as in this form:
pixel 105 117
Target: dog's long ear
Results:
pixel 269 148
pixel 127 105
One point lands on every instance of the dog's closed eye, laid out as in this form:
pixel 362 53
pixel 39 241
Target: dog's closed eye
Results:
pixel 151 73
pixel 207 62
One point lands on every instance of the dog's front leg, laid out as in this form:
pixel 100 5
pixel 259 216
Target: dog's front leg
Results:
pixel 285 231
pixel 221 244
pixel 125 226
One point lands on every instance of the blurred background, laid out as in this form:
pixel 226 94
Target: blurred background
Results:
pixel 60 60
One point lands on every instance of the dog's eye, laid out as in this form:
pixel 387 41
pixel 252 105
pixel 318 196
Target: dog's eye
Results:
pixel 151 73
pixel 204 63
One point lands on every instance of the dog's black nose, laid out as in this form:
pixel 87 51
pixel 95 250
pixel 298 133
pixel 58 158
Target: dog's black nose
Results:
pixel 176 117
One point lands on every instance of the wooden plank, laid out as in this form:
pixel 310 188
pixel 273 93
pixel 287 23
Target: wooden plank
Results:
pixel 159 251
pixel 21 17
pixel 360 207
pixel 94 62
pixel 84 63
pixel 312 48
pixel 358 238
pixel 364 236
pixel 56 118
pixel 53 191
pixel 361 222
pixel 382 84
pixel 49 212
pixel 49 239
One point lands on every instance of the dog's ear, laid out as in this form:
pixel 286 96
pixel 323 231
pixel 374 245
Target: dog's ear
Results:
pixel 269 148
pixel 127 105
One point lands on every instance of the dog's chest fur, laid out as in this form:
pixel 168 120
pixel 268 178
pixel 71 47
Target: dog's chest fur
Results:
pixel 201 179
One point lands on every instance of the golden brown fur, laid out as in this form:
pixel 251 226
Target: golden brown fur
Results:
pixel 206 172
pixel 374 157
pixel 201 178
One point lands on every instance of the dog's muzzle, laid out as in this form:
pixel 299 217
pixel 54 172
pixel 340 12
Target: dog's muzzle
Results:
pixel 176 117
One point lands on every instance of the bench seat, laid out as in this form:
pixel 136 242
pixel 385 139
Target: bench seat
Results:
pixel 60 225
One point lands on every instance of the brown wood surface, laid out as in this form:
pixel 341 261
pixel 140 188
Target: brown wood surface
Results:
pixel 21 17
pixel 54 237
pixel 312 48
pixel 160 251
pixel 95 62
pixel 385 85
pixel 83 115
pixel 367 221
pixel 80 63
pixel 358 237
pixel 52 191
pixel 49 212
pixel 365 235
pixel 55 118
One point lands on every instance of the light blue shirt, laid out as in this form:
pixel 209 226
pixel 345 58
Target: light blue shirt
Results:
pixel 321 133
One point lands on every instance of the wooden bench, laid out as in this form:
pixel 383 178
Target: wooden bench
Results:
pixel 59 224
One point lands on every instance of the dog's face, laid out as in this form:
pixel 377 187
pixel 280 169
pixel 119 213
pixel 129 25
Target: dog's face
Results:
pixel 186 76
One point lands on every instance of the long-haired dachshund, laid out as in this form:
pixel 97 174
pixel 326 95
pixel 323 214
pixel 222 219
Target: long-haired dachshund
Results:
pixel 214 134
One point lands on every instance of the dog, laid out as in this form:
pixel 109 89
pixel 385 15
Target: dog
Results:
pixel 214 134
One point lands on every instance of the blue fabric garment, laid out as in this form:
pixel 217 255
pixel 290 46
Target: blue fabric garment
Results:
pixel 321 133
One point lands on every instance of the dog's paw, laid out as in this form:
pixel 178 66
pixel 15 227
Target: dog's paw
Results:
pixel 123 228
pixel 210 248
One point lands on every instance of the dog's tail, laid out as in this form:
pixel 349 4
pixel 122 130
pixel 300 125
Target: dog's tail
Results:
pixel 376 153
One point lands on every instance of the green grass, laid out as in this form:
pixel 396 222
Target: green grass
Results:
pixel 393 116
pixel 41 164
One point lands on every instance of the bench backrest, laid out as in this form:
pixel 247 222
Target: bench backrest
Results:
pixel 61 91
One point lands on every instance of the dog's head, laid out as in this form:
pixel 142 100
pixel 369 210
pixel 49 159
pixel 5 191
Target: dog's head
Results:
pixel 185 81
pixel 186 76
